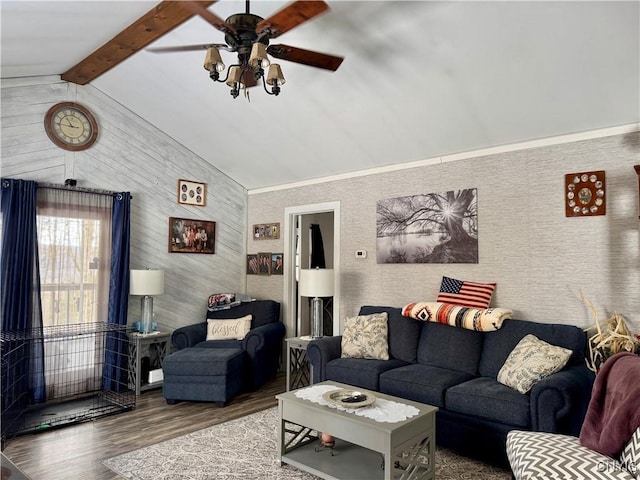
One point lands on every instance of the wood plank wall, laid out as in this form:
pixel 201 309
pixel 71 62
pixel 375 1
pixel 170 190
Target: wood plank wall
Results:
pixel 133 155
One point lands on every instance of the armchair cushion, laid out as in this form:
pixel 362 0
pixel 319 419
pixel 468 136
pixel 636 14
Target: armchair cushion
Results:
pixel 540 456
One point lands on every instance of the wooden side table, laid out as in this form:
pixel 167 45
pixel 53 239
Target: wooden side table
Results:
pixel 156 342
pixel 299 370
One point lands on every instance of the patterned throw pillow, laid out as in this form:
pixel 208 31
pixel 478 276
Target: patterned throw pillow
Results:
pixel 232 329
pixel 467 294
pixel 530 361
pixel 365 336
pixel 541 455
pixel 630 457
pixel 487 320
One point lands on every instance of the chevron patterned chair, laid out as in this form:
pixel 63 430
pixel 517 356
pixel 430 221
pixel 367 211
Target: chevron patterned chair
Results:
pixel 608 446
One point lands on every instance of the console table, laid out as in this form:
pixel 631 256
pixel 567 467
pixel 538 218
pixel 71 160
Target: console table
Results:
pixel 299 373
pixel 156 342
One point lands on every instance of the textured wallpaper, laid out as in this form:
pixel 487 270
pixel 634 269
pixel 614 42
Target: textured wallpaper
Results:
pixel 541 260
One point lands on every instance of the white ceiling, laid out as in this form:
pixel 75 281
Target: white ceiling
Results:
pixel 420 79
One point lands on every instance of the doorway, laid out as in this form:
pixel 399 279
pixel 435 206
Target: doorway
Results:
pixel 296 252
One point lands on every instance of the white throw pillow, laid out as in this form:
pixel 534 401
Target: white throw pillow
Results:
pixel 365 336
pixel 530 361
pixel 232 329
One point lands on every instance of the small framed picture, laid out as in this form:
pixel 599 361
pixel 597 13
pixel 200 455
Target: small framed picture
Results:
pixel 191 236
pixel 266 231
pixel 264 263
pixel 252 264
pixel 192 193
pixel 277 263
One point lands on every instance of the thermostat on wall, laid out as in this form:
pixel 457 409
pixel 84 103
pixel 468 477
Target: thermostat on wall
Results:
pixel 361 254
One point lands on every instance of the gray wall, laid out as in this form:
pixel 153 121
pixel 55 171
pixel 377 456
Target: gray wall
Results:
pixel 132 155
pixel 541 260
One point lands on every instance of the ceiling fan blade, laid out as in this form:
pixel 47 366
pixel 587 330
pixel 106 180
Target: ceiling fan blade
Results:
pixel 291 16
pixel 305 57
pixel 188 48
pixel 158 21
pixel 199 9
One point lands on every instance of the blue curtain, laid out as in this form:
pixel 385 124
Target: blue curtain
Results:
pixel 23 381
pixel 115 373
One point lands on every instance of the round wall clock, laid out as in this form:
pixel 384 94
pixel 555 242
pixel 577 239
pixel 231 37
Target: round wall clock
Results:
pixel 71 126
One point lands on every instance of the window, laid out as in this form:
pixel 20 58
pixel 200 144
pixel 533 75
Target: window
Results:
pixel 74 254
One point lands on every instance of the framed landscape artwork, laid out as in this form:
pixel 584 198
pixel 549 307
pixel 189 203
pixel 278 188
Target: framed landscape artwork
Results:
pixel 191 236
pixel 430 228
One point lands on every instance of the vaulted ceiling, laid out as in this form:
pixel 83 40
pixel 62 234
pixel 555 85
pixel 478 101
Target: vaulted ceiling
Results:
pixel 420 79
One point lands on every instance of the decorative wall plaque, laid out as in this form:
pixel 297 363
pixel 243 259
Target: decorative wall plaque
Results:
pixel 584 194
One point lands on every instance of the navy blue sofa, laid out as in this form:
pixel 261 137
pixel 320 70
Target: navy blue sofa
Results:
pixel 456 369
pixel 261 347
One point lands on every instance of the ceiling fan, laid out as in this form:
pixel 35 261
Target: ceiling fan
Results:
pixel 248 35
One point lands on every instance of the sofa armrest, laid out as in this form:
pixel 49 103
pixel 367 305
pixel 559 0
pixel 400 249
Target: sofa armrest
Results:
pixel 263 337
pixel 323 350
pixel 263 349
pixel 189 335
pixel 559 402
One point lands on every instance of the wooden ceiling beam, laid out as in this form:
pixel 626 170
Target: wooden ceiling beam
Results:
pixel 159 21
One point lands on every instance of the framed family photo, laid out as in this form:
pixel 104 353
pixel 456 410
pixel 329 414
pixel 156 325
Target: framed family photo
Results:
pixel 266 231
pixel 252 264
pixel 191 236
pixel 192 193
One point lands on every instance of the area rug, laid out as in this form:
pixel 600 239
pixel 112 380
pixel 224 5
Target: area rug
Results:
pixel 245 449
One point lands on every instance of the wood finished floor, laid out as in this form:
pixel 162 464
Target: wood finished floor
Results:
pixel 76 451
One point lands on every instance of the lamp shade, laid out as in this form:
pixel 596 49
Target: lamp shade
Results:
pixel 316 282
pixel 146 282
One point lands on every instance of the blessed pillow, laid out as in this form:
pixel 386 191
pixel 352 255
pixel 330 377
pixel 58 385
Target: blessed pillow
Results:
pixel 231 329
pixel 467 294
pixel 365 336
pixel 530 361
pixel 481 320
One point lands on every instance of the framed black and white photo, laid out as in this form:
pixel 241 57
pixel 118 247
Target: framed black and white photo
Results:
pixel 192 193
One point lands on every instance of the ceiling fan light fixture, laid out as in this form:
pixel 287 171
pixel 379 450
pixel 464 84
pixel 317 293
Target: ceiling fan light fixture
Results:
pixel 213 60
pixel 275 76
pixel 258 57
pixel 235 76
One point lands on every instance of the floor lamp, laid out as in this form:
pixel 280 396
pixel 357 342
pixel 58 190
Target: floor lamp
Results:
pixel 316 283
pixel 146 283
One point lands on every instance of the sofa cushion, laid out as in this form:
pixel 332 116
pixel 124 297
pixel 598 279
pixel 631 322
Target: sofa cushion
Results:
pixel 359 372
pixel 465 293
pixel 450 347
pixel 530 361
pixel 365 336
pixel 488 399
pixel 403 332
pixel 421 383
pixel 499 344
pixel 541 455
pixel 219 344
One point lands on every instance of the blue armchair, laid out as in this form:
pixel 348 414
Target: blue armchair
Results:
pixel 261 347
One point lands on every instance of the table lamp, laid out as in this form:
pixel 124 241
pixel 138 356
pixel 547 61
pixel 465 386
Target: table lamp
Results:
pixel 146 283
pixel 316 283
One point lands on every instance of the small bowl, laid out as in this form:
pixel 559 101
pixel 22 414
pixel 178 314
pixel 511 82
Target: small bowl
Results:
pixel 348 398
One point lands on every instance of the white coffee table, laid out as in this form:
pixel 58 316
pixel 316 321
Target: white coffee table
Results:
pixel 365 449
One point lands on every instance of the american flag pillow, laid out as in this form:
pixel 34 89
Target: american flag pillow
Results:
pixel 467 294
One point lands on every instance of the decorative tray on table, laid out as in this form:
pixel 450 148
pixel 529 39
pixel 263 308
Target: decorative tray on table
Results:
pixel 348 398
